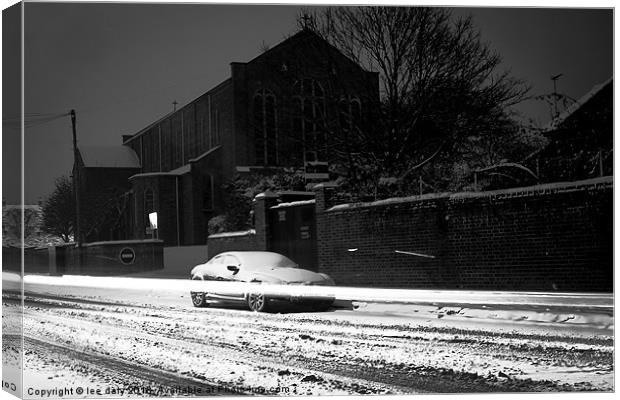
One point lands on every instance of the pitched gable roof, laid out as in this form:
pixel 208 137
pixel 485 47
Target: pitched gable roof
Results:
pixel 559 120
pixel 109 157
pixel 303 38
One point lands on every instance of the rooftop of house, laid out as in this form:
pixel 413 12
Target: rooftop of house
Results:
pixel 109 157
pixel 573 108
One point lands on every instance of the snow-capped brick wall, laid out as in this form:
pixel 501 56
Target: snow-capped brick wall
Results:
pixel 548 237
pixel 110 258
pixel 233 241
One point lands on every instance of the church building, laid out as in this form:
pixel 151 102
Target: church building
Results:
pixel 279 110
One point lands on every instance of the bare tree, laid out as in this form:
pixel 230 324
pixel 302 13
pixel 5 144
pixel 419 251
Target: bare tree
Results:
pixel 440 83
pixel 59 210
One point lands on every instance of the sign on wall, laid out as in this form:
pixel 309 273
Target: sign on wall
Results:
pixel 304 232
pixel 127 255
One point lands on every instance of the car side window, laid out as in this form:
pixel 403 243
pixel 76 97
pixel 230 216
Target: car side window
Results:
pixel 232 260
pixel 227 272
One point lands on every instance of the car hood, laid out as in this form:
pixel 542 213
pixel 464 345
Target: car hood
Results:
pixel 289 276
pixel 198 269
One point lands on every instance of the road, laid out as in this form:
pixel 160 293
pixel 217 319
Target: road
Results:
pixel 152 342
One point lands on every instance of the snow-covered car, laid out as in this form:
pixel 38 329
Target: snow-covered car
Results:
pixel 259 267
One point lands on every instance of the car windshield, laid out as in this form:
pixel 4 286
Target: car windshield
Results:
pixel 257 260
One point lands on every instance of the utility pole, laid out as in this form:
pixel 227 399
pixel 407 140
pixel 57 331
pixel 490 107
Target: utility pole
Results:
pixel 555 94
pixel 76 184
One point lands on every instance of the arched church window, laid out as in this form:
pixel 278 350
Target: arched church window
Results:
pixel 149 201
pixel 309 118
pixel 265 128
pixel 149 205
pixel 349 113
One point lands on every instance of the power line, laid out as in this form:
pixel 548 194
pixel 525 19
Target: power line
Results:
pixel 32 122
pixel 33 115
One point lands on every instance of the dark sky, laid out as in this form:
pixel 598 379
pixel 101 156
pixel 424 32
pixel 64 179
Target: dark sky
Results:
pixel 120 66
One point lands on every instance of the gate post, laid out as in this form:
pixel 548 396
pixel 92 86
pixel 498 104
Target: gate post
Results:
pixel 323 193
pixel 262 203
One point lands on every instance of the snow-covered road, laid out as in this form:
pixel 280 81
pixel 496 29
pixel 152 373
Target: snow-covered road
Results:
pixel 113 338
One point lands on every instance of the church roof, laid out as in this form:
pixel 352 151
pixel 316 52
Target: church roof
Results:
pixel 109 157
pixel 302 39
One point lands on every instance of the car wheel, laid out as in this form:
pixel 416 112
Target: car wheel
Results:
pixel 257 302
pixel 198 299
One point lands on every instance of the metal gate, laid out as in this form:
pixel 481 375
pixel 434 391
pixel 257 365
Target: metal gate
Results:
pixel 293 233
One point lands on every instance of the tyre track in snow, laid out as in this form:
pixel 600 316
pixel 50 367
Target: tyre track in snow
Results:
pixel 174 347
pixel 271 341
pixel 512 344
pixel 141 379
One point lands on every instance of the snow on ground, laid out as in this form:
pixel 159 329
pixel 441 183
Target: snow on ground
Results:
pixel 479 341
pixel 11 362
pixel 233 347
pixel 46 377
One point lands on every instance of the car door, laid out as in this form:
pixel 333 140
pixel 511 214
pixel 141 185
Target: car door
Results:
pixel 213 268
pixel 230 268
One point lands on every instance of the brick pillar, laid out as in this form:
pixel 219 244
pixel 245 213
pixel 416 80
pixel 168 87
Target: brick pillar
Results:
pixel 323 194
pixel 262 203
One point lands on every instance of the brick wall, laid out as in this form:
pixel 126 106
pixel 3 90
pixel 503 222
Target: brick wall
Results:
pixel 551 237
pixel 36 260
pixel 232 241
pixel 99 258
pixel 103 258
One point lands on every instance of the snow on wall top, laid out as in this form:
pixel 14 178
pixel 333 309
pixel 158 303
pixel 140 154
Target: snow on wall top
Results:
pixel 294 203
pixel 109 157
pixel 563 187
pixel 232 234
pixel 127 242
